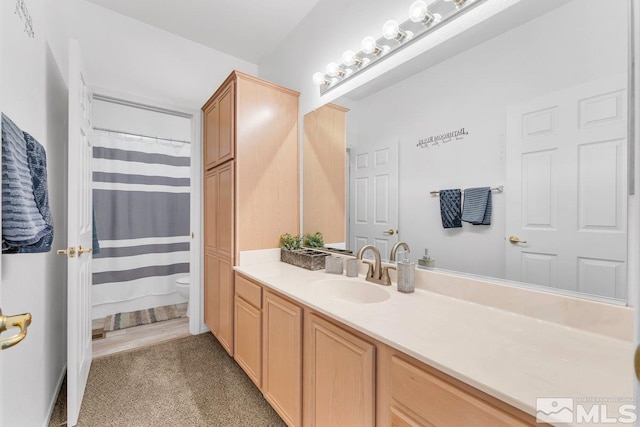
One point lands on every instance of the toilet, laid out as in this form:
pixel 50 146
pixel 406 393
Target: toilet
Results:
pixel 182 283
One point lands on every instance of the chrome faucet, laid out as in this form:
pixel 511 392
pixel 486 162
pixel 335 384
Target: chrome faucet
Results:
pixel 394 250
pixel 376 273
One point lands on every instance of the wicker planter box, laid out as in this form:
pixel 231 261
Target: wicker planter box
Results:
pixel 305 258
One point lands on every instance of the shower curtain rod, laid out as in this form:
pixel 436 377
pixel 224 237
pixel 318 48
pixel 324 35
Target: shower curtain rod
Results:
pixel 141 136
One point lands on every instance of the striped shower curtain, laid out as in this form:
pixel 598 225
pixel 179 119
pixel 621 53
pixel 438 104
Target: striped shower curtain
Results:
pixel 141 202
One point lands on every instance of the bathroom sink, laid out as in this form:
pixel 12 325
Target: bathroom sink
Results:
pixel 352 291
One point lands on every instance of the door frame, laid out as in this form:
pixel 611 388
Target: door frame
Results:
pixel 196 292
pixel 633 152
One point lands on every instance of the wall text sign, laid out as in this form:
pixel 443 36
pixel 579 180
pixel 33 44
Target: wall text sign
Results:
pixel 435 140
pixel 23 13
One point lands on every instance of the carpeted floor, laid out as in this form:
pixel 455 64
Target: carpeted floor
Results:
pixel 185 382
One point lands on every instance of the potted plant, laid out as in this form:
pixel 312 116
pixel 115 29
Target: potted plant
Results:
pixel 292 252
pixel 313 240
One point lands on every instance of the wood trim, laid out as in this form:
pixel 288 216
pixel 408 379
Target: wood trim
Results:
pixel 257 80
pixel 337 107
pixel 230 78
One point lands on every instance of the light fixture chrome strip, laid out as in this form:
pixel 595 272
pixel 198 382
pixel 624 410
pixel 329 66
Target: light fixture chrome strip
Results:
pixel 424 17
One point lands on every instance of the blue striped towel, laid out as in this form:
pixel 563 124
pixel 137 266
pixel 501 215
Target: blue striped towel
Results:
pixel 477 206
pixel 37 157
pixel 450 208
pixel 22 221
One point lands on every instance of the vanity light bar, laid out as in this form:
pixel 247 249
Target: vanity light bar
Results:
pixel 424 17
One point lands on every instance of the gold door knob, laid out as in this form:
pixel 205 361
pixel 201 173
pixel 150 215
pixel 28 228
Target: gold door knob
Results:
pixel 71 252
pixel 636 362
pixel 390 232
pixel 515 240
pixel 21 321
pixel 82 250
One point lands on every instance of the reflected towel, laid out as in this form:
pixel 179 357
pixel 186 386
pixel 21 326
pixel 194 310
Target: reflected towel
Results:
pixel 477 206
pixel 22 222
pixel 450 208
pixel 94 234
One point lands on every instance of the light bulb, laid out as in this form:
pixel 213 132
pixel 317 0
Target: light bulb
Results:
pixel 369 46
pixel 390 29
pixel 334 70
pixel 419 12
pixel 318 79
pixel 350 59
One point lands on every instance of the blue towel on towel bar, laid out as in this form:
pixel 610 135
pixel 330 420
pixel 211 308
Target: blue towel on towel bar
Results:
pixel 22 221
pixel 450 208
pixel 477 206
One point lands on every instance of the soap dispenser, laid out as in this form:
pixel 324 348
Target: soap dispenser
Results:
pixel 426 260
pixel 406 275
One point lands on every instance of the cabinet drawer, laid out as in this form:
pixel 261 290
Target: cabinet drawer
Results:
pixel 439 402
pixel 249 291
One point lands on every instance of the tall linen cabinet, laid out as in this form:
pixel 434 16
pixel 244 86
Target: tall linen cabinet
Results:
pixel 251 186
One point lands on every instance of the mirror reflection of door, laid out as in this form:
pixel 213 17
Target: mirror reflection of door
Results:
pixel 567 189
pixel 373 175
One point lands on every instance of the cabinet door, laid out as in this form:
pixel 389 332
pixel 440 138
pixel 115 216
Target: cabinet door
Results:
pixel 434 400
pixel 226 135
pixel 211 135
pixel 339 376
pixel 282 357
pixel 211 210
pixel 225 334
pixel 219 218
pixel 247 340
pixel 212 292
pixel 225 210
pixel 218 298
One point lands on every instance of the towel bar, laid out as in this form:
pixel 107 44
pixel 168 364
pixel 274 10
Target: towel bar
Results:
pixel 498 189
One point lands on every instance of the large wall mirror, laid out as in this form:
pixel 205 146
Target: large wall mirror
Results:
pixel 537 113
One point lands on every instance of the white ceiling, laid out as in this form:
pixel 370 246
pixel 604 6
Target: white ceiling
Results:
pixel 246 29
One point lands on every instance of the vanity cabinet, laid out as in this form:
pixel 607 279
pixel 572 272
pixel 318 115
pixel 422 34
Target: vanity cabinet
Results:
pixel 248 328
pixel 411 393
pixel 282 357
pixel 339 376
pixel 315 372
pixel 251 197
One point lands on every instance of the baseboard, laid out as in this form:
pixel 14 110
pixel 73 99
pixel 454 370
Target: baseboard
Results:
pixel 52 405
pixel 204 328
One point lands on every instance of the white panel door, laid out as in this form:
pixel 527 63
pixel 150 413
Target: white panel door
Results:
pixel 79 235
pixel 567 189
pixel 373 205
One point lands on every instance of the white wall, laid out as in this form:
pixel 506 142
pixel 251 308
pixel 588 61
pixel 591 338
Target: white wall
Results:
pixel 138 60
pixel 34 96
pixel 473 90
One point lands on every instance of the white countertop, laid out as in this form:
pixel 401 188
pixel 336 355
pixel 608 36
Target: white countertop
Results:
pixel 512 357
